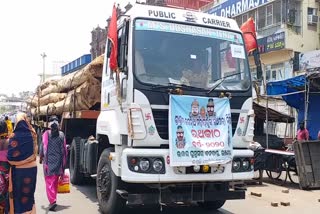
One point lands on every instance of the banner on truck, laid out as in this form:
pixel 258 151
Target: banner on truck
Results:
pixel 199 130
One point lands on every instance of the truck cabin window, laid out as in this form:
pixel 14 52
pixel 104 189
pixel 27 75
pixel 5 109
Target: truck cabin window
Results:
pixel 191 55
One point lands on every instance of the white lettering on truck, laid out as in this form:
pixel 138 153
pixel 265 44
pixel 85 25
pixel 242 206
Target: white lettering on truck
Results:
pixel 216 22
pixel 162 14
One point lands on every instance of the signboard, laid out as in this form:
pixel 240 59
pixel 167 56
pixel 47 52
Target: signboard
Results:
pixel 231 8
pixel 309 60
pixel 199 130
pixel 272 43
pixel 275 42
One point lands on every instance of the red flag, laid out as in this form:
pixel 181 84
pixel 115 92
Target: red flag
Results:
pixel 113 36
pixel 249 33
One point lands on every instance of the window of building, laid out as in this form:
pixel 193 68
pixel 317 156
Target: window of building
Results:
pixel 239 20
pixel 252 14
pixel 261 17
pixel 253 73
pixel 265 16
pixel 275 72
pixel 277 12
pixel 269 14
pixel 245 17
pixel 312 11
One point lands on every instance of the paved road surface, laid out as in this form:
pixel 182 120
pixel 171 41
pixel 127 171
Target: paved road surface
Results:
pixel 82 199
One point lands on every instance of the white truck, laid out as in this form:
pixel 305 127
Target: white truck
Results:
pixel 164 52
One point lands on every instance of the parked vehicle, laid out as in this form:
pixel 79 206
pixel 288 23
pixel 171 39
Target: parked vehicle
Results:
pixel 126 145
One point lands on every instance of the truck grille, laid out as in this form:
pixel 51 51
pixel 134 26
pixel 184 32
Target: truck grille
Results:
pixel 161 117
pixel 234 119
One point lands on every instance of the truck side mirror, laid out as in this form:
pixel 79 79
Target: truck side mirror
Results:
pixel 124 47
pixel 109 49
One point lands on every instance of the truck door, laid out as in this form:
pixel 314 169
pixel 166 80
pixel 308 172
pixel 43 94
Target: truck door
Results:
pixel 114 88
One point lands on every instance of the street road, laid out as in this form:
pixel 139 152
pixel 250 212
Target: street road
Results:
pixel 82 199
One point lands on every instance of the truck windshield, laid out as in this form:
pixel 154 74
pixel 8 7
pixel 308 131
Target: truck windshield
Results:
pixel 171 53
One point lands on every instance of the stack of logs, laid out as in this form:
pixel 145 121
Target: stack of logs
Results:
pixel 74 92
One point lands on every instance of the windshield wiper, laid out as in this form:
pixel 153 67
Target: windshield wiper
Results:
pixel 171 85
pixel 221 80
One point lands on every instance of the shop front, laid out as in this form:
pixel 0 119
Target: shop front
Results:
pixel 276 59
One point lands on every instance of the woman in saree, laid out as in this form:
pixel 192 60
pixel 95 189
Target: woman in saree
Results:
pixel 22 152
pixel 4 165
pixel 53 155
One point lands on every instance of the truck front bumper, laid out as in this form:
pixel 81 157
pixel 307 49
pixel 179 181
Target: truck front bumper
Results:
pixel 172 174
pixel 170 198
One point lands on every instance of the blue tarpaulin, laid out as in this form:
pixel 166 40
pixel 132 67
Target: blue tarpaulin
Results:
pixel 287 86
pixel 297 100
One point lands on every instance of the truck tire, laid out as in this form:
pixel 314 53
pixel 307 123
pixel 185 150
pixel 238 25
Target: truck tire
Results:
pixel 212 205
pixel 107 184
pixel 76 177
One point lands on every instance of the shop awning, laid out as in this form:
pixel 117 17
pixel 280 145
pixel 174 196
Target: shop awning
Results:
pixel 291 90
pixel 273 115
pixel 287 86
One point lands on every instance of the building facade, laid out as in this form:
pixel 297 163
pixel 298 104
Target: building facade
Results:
pixel 285 28
pixel 98 42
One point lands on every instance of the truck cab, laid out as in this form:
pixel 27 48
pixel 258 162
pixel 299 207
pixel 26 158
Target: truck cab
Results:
pixel 165 53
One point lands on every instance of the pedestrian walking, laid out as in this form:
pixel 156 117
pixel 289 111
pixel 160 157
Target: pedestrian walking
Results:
pixel 9 125
pixel 4 165
pixel 53 155
pixel 22 153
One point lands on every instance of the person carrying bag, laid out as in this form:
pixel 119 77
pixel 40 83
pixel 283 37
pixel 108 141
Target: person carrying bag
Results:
pixel 53 155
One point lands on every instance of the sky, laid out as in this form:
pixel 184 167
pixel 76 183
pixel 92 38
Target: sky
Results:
pixel 59 28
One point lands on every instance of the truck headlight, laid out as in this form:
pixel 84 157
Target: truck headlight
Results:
pixel 144 164
pixel 196 168
pixel 236 165
pixel 157 165
pixel 242 164
pixel 245 164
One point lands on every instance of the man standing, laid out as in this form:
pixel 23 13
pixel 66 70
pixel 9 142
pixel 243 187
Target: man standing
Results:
pixel 303 133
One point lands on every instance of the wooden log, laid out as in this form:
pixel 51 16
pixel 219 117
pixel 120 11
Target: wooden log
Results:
pixel 52 88
pixel 82 98
pixel 46 109
pixel 52 98
pixel 73 80
pixel 49 98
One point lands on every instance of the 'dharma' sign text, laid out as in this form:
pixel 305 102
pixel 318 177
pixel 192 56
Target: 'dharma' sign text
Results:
pixel 231 8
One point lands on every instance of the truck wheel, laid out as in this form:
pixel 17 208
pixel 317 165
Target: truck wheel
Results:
pixel 76 177
pixel 212 205
pixel 107 184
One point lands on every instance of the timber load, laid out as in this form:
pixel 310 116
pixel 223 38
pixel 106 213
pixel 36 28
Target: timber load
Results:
pixel 76 91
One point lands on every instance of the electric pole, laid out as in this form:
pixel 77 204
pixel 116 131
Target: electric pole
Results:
pixel 44 66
